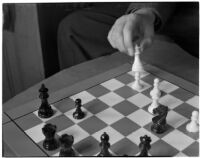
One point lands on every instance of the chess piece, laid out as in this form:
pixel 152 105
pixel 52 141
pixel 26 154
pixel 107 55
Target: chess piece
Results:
pixel 136 84
pixel 78 114
pixel 137 68
pixel 159 122
pixel 66 142
pixel 144 145
pixel 193 125
pixel 155 91
pixel 137 64
pixel 50 142
pixel 105 145
pixel 45 110
pixel 155 95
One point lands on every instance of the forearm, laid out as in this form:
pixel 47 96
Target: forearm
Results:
pixel 162 10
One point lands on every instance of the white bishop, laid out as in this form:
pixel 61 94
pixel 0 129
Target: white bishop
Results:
pixel 155 91
pixel 155 95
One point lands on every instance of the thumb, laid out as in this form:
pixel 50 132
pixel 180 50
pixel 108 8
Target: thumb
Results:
pixel 145 43
pixel 148 37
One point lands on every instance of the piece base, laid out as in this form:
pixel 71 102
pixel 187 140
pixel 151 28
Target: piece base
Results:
pixel 78 116
pixel 50 144
pixel 194 130
pixel 104 154
pixel 45 114
pixel 136 86
pixel 158 129
pixel 67 153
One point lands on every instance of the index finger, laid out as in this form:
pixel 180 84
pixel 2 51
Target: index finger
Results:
pixel 130 33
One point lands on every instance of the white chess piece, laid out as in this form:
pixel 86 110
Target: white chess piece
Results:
pixel 136 84
pixel 155 95
pixel 154 104
pixel 156 90
pixel 137 68
pixel 137 64
pixel 193 125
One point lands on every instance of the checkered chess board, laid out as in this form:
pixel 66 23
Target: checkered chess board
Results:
pixel 114 107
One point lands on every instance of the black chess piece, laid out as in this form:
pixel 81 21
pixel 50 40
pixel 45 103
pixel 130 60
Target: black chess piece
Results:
pixel 78 114
pixel 144 146
pixel 45 110
pixel 159 121
pixel 125 155
pixel 105 145
pixel 50 142
pixel 66 142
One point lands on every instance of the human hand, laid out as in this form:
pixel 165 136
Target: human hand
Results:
pixel 129 30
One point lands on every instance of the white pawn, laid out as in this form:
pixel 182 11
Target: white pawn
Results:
pixel 136 84
pixel 193 125
pixel 155 95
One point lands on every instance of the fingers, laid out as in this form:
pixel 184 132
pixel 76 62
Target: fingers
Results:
pixel 129 30
pixel 118 37
pixel 115 36
pixel 131 35
pixel 127 34
pixel 110 38
pixel 145 43
pixel 148 37
pixel 123 33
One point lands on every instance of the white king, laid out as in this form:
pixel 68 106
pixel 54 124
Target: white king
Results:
pixel 137 68
pixel 137 65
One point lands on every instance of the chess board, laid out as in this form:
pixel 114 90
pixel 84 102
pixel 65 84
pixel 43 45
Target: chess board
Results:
pixel 112 106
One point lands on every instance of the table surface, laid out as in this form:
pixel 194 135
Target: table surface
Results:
pixel 81 72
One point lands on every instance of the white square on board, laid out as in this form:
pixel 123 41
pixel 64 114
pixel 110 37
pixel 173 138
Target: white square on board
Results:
pixel 112 84
pixel 111 99
pixel 178 140
pixel 170 101
pixel 84 96
pixel 167 87
pixel 76 131
pixel 114 135
pixel 36 133
pixel 139 100
pixel 109 116
pixel 140 117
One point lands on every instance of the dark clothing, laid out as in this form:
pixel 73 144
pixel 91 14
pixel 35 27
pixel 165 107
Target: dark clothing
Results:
pixel 162 10
pixel 83 35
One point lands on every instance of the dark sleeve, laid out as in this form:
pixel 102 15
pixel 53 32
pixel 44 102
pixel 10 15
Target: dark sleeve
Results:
pixel 162 11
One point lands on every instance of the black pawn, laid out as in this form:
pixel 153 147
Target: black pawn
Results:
pixel 78 114
pixel 50 142
pixel 159 122
pixel 144 145
pixel 66 142
pixel 45 110
pixel 105 145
